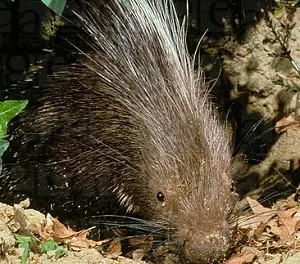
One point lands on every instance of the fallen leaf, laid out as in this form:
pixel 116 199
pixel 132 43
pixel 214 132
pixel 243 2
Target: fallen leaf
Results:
pixel 261 215
pixel 294 164
pixel 55 230
pixel 290 122
pixel 138 254
pixel 247 255
pixel 115 248
pixel 285 228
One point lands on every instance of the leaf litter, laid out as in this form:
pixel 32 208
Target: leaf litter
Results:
pixel 24 233
pixel 269 231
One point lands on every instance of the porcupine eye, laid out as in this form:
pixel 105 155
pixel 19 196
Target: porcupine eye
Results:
pixel 160 196
pixel 232 188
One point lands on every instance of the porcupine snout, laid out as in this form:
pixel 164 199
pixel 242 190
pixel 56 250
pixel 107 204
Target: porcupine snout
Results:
pixel 210 248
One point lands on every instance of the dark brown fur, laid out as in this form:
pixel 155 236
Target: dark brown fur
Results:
pixel 131 129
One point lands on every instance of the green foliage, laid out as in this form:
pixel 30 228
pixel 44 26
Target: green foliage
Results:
pixel 50 25
pixel 3 146
pixel 49 245
pixel 24 242
pixel 279 12
pixel 51 248
pixel 56 5
pixel 60 251
pixel 8 110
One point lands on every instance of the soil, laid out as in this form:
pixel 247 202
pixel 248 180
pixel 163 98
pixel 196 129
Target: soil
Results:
pixel 10 252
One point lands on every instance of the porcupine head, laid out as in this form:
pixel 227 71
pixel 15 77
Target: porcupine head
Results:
pixel 184 155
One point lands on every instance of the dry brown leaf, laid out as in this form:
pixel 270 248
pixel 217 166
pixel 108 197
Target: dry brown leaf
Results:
pixel 297 226
pixel 256 206
pixel 142 242
pixel 55 230
pixel 52 229
pixel 286 226
pixel 20 219
pixel 290 202
pixel 46 232
pixel 287 215
pixel 261 215
pixel 138 254
pixel 80 240
pixel 260 229
pixel 20 222
pixel 246 256
pixel 270 229
pixel 115 248
pixel 295 164
pixel 61 231
pixel 290 122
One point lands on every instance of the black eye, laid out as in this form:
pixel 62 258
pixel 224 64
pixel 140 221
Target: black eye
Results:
pixel 160 196
pixel 232 188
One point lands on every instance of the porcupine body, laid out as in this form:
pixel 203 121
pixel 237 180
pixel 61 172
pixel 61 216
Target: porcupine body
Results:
pixel 130 128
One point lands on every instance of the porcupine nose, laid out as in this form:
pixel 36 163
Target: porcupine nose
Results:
pixel 208 250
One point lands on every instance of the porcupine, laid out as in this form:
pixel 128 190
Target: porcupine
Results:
pixel 131 128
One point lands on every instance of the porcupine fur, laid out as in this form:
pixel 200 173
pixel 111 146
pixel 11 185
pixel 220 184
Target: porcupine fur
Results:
pixel 130 128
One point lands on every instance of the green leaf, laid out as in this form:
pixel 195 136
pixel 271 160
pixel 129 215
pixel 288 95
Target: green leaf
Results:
pixel 56 5
pixel 49 245
pixel 279 12
pixel 61 251
pixel 8 110
pixel 3 146
pixel 24 242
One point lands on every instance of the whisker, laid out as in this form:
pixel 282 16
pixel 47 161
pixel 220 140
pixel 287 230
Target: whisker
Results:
pixel 259 137
pixel 249 133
